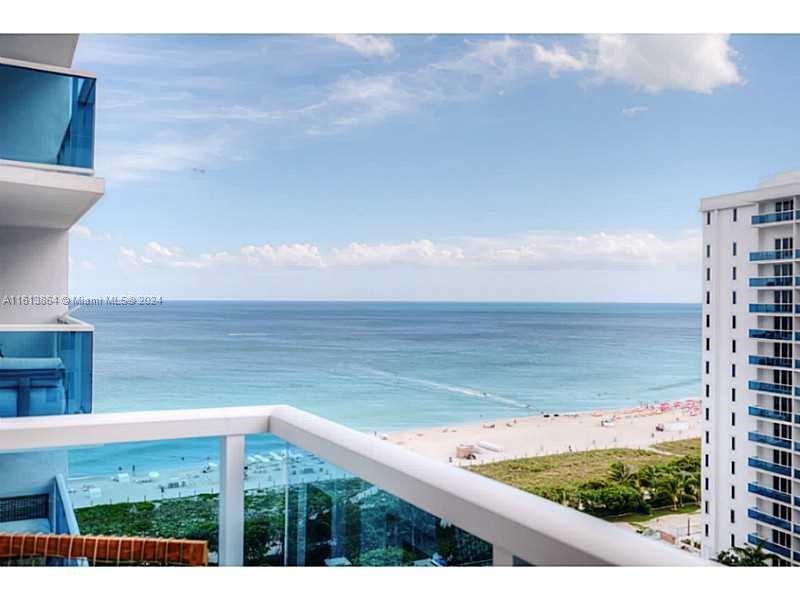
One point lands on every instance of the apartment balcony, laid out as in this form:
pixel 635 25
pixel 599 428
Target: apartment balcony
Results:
pixel 766 413
pixel 771 255
pixel 47 116
pixel 765 465
pixel 770 361
pixel 760 490
pixel 763 517
pixel 46 145
pixel 756 540
pixel 771 282
pixel 770 388
pixel 770 334
pixel 773 218
pixel 771 308
pixel 344 494
pixel 769 440
pixel 46 369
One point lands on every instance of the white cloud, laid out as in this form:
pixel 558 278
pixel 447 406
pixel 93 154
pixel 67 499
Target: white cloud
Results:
pixel 532 251
pixel 633 111
pixel 558 59
pixel 367 45
pixel 84 233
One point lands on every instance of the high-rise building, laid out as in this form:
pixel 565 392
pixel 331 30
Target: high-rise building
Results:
pixel 47 184
pixel 750 325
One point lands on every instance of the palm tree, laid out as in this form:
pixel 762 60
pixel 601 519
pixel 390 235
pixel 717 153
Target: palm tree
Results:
pixel 690 483
pixel 749 556
pixel 672 487
pixel 621 473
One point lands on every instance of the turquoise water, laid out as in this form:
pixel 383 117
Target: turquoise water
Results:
pixel 382 366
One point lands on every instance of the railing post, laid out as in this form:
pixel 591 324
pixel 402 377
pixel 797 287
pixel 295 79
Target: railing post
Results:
pixel 231 501
pixel 501 557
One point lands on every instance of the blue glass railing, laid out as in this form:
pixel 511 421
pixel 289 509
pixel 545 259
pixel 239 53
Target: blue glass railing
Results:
pixel 765 465
pixel 756 514
pixel 770 308
pixel 772 388
pixel 45 372
pixel 770 334
pixel 756 540
pixel 772 255
pixel 46 117
pixel 766 492
pixel 770 361
pixel 757 411
pixel 755 436
pixel 770 281
pixel 776 217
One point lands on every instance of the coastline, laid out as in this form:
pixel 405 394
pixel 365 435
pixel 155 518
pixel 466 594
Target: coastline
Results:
pixel 520 437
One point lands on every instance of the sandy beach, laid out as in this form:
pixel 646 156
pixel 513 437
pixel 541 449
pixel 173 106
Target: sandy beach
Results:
pixel 494 440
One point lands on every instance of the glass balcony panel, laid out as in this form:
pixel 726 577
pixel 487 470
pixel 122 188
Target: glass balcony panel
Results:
pixel 765 465
pixel 770 334
pixel 771 308
pixel 772 388
pixel 772 255
pixel 756 514
pixel 755 436
pixel 773 217
pixel 45 373
pixel 46 117
pixel 766 492
pixel 770 281
pixel 756 540
pixel 771 361
pixel 757 411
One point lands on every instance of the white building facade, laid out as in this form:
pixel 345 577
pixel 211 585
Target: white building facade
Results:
pixel 750 392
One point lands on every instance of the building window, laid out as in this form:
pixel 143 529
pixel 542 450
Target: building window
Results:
pixel 705 507
pixel 708 218
pixel 733 272
pixel 733 297
pixel 706 529
pixel 708 250
pixel 733 468
pixel 733 321
pixel 733 370
pixel 733 492
pixel 708 391
pixel 733 394
pixel 733 419
pixel 708 320
pixel 733 541
pixel 708 273
pixel 735 216
pixel 708 367
pixel 708 437
pixel 733 346
pixel 706 460
pixel 708 297
pixel 733 516
pixel 708 343
pixel 733 249
pixel 707 414
pixel 706 483
pixel 733 442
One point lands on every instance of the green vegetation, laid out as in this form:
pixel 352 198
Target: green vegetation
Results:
pixel 745 557
pixel 608 483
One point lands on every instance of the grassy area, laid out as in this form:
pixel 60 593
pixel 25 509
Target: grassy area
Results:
pixel 680 447
pixel 570 470
pixel 687 509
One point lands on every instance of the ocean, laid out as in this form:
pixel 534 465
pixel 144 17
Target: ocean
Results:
pixel 379 366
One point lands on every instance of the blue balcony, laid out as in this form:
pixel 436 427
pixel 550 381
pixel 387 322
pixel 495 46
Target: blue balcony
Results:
pixel 770 334
pixel 765 465
pixel 766 413
pixel 770 281
pixel 772 388
pixel 755 540
pixel 46 371
pixel 772 255
pixel 776 217
pixel 761 438
pixel 771 308
pixel 756 514
pixel 771 361
pixel 46 117
pixel 766 492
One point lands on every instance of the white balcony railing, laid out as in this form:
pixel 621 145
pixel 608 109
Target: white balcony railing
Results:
pixel 516 523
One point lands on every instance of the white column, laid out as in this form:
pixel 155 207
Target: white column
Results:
pixel 501 557
pixel 231 501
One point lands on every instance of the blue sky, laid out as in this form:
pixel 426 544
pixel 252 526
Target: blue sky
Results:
pixel 424 167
